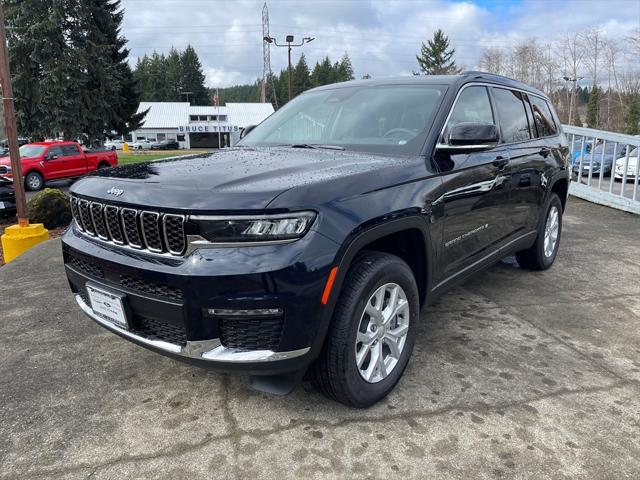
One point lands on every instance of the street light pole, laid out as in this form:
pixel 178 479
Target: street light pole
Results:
pixel 572 101
pixel 289 70
pixel 10 124
pixel 289 45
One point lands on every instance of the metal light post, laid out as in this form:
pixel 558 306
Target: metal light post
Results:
pixel 574 80
pixel 289 44
pixel 10 124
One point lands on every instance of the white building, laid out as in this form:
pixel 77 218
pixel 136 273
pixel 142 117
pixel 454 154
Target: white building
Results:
pixel 199 127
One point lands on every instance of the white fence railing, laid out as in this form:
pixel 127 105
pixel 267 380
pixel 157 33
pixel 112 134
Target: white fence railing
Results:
pixel 606 167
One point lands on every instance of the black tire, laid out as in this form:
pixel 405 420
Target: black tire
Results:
pixel 103 165
pixel 335 372
pixel 33 181
pixel 534 258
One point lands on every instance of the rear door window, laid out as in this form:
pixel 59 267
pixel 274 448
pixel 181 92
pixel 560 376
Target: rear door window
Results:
pixel 70 150
pixel 543 119
pixel 512 115
pixel 473 105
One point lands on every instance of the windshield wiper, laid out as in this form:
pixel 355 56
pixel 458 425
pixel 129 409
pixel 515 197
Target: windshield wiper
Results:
pixel 316 145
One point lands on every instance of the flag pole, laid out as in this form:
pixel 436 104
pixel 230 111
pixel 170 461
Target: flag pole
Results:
pixel 218 116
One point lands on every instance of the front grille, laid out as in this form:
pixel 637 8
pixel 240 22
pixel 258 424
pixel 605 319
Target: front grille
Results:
pixel 156 232
pixel 156 330
pixel 153 288
pixel 85 267
pixel 251 333
pixel 3 169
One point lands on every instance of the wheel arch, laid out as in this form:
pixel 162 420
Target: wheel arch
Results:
pixel 560 186
pixel 407 238
pixel 33 170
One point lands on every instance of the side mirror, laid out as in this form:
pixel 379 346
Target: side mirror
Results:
pixel 245 131
pixel 471 137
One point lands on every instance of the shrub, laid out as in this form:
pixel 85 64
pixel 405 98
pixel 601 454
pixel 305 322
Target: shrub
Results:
pixel 50 207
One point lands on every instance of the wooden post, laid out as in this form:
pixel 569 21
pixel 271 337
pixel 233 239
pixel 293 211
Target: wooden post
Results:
pixel 10 123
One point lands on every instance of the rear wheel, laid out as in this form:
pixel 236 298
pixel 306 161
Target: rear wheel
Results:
pixel 103 165
pixel 372 332
pixel 543 252
pixel 34 181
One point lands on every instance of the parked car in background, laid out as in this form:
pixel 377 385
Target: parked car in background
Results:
pixel 141 145
pixel 44 161
pixel 594 160
pixel 578 147
pixel 165 145
pixel 7 198
pixel 114 144
pixel 4 145
pixel 632 165
pixel 315 243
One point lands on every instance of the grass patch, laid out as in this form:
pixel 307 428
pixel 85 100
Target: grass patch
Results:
pixel 147 156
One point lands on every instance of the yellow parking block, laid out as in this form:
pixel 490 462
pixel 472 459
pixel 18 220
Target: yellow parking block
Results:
pixel 17 240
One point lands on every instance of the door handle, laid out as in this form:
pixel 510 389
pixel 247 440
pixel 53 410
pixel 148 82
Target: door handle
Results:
pixel 500 162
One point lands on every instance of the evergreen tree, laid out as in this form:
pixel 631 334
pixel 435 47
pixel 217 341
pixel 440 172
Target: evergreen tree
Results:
pixel 109 94
pixel 345 69
pixel 632 118
pixel 193 78
pixel 70 70
pixel 436 58
pixel 156 81
pixel 322 73
pixel 593 107
pixel 173 77
pixel 300 74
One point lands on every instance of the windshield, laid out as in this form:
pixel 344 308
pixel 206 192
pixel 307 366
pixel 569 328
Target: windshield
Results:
pixel 385 119
pixel 30 151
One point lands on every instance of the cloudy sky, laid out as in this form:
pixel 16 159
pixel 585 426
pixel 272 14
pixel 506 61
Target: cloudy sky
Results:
pixel 381 37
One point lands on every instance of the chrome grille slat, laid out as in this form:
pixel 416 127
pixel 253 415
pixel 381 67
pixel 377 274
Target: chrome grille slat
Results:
pixel 174 237
pixel 150 223
pixel 97 216
pixel 112 216
pixel 74 212
pixel 153 231
pixel 85 217
pixel 131 228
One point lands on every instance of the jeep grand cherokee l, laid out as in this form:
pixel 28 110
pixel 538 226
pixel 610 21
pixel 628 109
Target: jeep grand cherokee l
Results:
pixel 312 245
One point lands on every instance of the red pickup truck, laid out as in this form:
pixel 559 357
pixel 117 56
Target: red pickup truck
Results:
pixel 44 161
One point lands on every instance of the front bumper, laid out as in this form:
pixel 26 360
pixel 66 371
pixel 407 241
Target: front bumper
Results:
pixel 209 350
pixel 169 300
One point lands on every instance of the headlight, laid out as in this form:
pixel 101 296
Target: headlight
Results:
pixel 263 228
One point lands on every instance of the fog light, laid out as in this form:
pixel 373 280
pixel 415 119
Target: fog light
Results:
pixel 248 312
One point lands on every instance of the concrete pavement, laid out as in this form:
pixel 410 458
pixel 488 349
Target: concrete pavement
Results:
pixel 514 375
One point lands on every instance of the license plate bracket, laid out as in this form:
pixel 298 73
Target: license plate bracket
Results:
pixel 108 305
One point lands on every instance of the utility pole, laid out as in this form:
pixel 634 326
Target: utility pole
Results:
pixel 572 101
pixel 266 54
pixel 10 123
pixel 289 44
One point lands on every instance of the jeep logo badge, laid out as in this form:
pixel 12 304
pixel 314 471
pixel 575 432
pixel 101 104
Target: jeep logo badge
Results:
pixel 115 191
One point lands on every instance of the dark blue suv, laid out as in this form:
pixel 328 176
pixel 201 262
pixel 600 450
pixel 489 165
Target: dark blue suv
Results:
pixel 312 245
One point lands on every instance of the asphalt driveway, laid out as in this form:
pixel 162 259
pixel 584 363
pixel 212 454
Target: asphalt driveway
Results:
pixel 514 375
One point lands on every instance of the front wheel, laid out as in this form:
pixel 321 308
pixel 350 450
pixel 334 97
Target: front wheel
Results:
pixel 34 181
pixel 545 249
pixel 372 332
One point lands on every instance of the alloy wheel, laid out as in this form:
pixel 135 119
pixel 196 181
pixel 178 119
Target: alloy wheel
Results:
pixel 551 229
pixel 382 332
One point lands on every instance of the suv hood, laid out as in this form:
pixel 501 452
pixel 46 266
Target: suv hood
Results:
pixel 234 179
